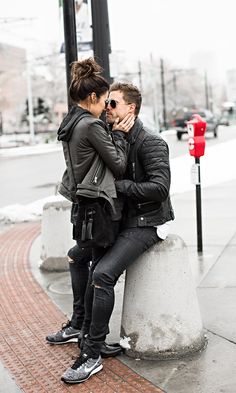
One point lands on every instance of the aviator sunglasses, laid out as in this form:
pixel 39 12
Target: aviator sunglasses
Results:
pixel 113 103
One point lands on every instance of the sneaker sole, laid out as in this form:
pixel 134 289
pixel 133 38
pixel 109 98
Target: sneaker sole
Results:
pixel 70 340
pixel 95 371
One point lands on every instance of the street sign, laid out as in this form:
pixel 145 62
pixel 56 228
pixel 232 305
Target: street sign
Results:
pixel 195 174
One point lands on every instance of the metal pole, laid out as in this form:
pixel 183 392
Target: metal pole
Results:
pixel 199 208
pixel 163 94
pixel 30 99
pixel 154 94
pixel 175 88
pixel 101 35
pixel 70 39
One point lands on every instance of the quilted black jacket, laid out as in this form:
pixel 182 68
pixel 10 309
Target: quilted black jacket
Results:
pixel 146 183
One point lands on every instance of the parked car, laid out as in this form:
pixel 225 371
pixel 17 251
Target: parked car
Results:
pixel 183 116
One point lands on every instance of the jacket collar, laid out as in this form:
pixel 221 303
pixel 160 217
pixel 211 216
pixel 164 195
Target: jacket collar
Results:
pixel 134 132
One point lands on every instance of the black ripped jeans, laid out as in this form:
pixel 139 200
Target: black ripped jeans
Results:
pixel 106 268
pixel 79 272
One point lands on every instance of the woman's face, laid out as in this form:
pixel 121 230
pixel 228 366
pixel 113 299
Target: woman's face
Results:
pixel 98 107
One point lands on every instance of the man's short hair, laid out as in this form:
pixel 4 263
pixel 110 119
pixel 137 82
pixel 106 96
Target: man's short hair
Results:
pixel 131 94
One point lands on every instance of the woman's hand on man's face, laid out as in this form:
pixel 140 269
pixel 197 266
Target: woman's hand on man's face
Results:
pixel 124 125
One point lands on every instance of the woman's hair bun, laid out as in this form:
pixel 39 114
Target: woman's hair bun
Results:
pixel 85 68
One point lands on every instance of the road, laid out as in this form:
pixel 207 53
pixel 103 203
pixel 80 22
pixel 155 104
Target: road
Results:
pixel 28 178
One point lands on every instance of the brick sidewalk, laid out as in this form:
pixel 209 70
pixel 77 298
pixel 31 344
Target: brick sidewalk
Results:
pixel 28 314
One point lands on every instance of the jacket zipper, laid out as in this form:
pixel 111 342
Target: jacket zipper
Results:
pixel 95 176
pixel 144 204
pixel 133 170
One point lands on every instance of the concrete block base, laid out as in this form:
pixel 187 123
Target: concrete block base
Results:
pixel 161 317
pixel 56 237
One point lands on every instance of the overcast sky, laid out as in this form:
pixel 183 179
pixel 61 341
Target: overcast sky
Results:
pixel 186 32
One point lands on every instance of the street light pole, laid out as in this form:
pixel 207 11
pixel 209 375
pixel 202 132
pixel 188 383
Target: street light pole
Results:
pixel 30 99
pixel 101 35
pixel 163 94
pixel 140 76
pixel 70 39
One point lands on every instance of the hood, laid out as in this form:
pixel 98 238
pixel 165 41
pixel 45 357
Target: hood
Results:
pixel 68 123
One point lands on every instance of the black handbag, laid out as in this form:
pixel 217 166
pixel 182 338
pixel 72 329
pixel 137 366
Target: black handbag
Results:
pixel 94 226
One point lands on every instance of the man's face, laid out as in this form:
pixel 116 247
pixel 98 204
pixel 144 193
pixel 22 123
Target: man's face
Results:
pixel 121 109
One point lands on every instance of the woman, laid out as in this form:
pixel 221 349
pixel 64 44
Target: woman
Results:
pixel 84 135
pixel 86 139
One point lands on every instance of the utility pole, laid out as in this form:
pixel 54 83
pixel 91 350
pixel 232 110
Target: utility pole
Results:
pixel 206 91
pixel 175 88
pixel 70 39
pixel 101 35
pixel 30 99
pixel 163 94
pixel 154 93
pixel 140 76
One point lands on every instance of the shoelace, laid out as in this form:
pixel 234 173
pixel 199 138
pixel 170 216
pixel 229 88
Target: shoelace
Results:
pixel 79 361
pixel 65 325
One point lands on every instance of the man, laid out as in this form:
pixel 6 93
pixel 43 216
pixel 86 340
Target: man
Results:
pixel 147 215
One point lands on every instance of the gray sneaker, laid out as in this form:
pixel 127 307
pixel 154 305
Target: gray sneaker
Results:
pixel 83 368
pixel 67 334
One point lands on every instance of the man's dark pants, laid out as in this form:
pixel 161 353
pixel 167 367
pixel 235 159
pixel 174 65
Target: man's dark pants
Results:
pixel 106 268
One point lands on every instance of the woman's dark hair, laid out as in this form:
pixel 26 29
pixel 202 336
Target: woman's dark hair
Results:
pixel 85 79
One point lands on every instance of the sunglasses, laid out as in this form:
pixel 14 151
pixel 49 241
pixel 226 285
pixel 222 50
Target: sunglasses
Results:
pixel 113 103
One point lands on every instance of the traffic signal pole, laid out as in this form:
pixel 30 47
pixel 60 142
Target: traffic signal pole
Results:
pixel 101 35
pixel 70 39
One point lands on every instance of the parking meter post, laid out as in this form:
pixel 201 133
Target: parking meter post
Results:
pixel 196 131
pixel 199 208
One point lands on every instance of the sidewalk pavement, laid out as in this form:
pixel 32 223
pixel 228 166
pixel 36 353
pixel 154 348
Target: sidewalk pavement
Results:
pixel 34 303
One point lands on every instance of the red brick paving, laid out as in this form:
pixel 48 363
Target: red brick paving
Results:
pixel 28 314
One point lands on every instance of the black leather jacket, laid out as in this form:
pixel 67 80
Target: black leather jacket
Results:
pixel 146 183
pixel 82 140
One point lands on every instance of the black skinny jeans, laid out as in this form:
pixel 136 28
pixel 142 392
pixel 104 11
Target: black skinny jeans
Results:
pixel 106 268
pixel 79 272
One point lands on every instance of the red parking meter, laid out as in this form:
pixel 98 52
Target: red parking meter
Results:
pixel 196 131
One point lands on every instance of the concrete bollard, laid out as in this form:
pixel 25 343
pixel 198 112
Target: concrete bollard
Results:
pixel 161 317
pixel 56 236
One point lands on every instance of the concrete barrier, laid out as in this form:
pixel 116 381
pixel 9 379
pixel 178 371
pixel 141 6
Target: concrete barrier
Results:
pixel 161 317
pixel 56 236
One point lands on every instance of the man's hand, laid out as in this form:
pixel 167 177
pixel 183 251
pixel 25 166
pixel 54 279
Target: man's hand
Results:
pixel 124 125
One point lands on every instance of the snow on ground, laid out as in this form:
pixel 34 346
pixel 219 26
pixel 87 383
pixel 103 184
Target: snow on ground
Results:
pixel 41 148
pixel 217 166
pixel 32 211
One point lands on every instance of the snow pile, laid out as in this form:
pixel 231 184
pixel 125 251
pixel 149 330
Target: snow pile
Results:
pixel 31 212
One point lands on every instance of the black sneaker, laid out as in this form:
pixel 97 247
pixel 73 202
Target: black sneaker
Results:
pixel 67 334
pixel 83 368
